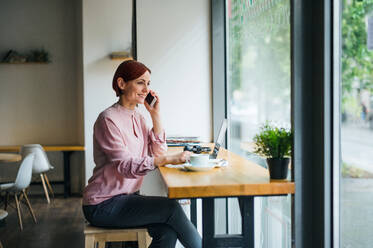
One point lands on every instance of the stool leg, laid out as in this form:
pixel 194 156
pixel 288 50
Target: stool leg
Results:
pixel 6 201
pixel 141 239
pixel 89 241
pixel 148 239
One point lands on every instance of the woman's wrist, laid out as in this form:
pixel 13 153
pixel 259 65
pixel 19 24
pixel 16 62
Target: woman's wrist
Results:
pixel 157 125
pixel 156 117
pixel 160 161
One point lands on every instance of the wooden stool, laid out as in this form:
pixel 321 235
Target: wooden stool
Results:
pixel 100 235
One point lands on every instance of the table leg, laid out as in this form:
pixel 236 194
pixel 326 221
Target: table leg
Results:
pixel 66 173
pixel 208 222
pixel 193 211
pixel 247 212
pixel 208 225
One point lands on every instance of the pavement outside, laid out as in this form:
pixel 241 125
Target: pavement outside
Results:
pixel 356 213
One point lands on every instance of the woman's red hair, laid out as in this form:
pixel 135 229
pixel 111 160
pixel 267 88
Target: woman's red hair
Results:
pixel 128 70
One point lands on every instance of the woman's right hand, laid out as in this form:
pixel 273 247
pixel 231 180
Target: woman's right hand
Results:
pixel 178 158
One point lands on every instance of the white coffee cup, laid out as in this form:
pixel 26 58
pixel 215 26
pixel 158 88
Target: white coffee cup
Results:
pixel 199 159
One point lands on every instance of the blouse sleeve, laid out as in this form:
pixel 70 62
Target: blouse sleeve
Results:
pixel 110 140
pixel 157 143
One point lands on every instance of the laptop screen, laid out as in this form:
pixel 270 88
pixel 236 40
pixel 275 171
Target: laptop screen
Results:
pixel 220 138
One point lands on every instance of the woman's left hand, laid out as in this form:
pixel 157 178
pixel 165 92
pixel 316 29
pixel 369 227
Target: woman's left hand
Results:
pixel 155 110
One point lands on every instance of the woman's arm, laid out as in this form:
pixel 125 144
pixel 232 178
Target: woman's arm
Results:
pixel 157 137
pixel 178 158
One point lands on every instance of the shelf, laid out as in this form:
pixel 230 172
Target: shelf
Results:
pixel 18 63
pixel 122 55
pixel 121 58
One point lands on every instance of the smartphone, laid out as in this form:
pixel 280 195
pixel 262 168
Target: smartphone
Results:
pixel 150 99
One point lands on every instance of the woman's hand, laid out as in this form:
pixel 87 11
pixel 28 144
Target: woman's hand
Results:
pixel 155 114
pixel 178 158
pixel 155 110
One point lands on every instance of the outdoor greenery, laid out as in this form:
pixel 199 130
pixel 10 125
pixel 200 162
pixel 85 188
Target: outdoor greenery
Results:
pixel 259 46
pixel 352 171
pixel 273 142
pixel 357 60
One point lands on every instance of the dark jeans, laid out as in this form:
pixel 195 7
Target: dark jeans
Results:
pixel 164 218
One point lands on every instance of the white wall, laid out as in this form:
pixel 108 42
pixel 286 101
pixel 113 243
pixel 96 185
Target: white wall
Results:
pixel 41 103
pixel 106 28
pixel 173 39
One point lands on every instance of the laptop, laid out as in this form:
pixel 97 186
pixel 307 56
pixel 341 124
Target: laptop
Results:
pixel 219 139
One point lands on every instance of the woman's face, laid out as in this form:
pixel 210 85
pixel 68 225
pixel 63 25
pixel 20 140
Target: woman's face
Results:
pixel 135 91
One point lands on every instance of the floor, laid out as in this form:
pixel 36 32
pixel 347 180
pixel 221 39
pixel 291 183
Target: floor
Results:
pixel 60 225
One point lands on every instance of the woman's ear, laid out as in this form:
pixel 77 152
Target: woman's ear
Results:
pixel 121 83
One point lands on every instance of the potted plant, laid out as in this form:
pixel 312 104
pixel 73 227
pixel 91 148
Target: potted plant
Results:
pixel 275 144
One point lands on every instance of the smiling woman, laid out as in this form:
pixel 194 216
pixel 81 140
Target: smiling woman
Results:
pixel 125 150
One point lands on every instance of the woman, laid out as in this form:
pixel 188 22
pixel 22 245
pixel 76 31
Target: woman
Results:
pixel 124 151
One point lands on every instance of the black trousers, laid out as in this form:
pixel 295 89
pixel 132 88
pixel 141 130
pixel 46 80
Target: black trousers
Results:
pixel 164 218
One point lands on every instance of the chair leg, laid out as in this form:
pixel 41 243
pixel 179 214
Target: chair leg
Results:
pixel 6 200
pixel 29 205
pixel 45 188
pixel 49 185
pixel 18 211
pixel 89 241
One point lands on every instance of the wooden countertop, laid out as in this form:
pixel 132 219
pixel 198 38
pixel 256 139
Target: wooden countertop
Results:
pixel 241 177
pixel 48 148
pixel 10 157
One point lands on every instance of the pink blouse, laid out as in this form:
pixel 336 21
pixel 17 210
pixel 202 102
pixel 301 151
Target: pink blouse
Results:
pixel 123 150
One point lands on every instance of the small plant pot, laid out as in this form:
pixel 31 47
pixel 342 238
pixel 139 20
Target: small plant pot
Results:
pixel 278 167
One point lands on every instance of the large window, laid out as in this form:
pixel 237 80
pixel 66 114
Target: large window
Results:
pixel 259 90
pixel 356 99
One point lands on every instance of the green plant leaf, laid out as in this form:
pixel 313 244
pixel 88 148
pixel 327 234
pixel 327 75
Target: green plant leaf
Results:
pixel 273 142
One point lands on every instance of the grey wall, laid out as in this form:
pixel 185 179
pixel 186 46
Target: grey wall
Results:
pixel 42 103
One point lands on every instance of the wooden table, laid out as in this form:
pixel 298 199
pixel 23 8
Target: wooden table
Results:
pixel 10 157
pixel 241 178
pixel 67 150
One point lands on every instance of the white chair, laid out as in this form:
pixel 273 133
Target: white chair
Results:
pixel 3 215
pixel 41 165
pixel 22 181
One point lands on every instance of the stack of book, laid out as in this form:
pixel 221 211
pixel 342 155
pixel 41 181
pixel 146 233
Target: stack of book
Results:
pixel 182 141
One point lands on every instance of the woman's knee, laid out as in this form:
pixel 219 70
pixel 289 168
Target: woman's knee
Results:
pixel 174 206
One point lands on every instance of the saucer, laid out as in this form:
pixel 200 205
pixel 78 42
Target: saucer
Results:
pixel 213 163
pixel 198 168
